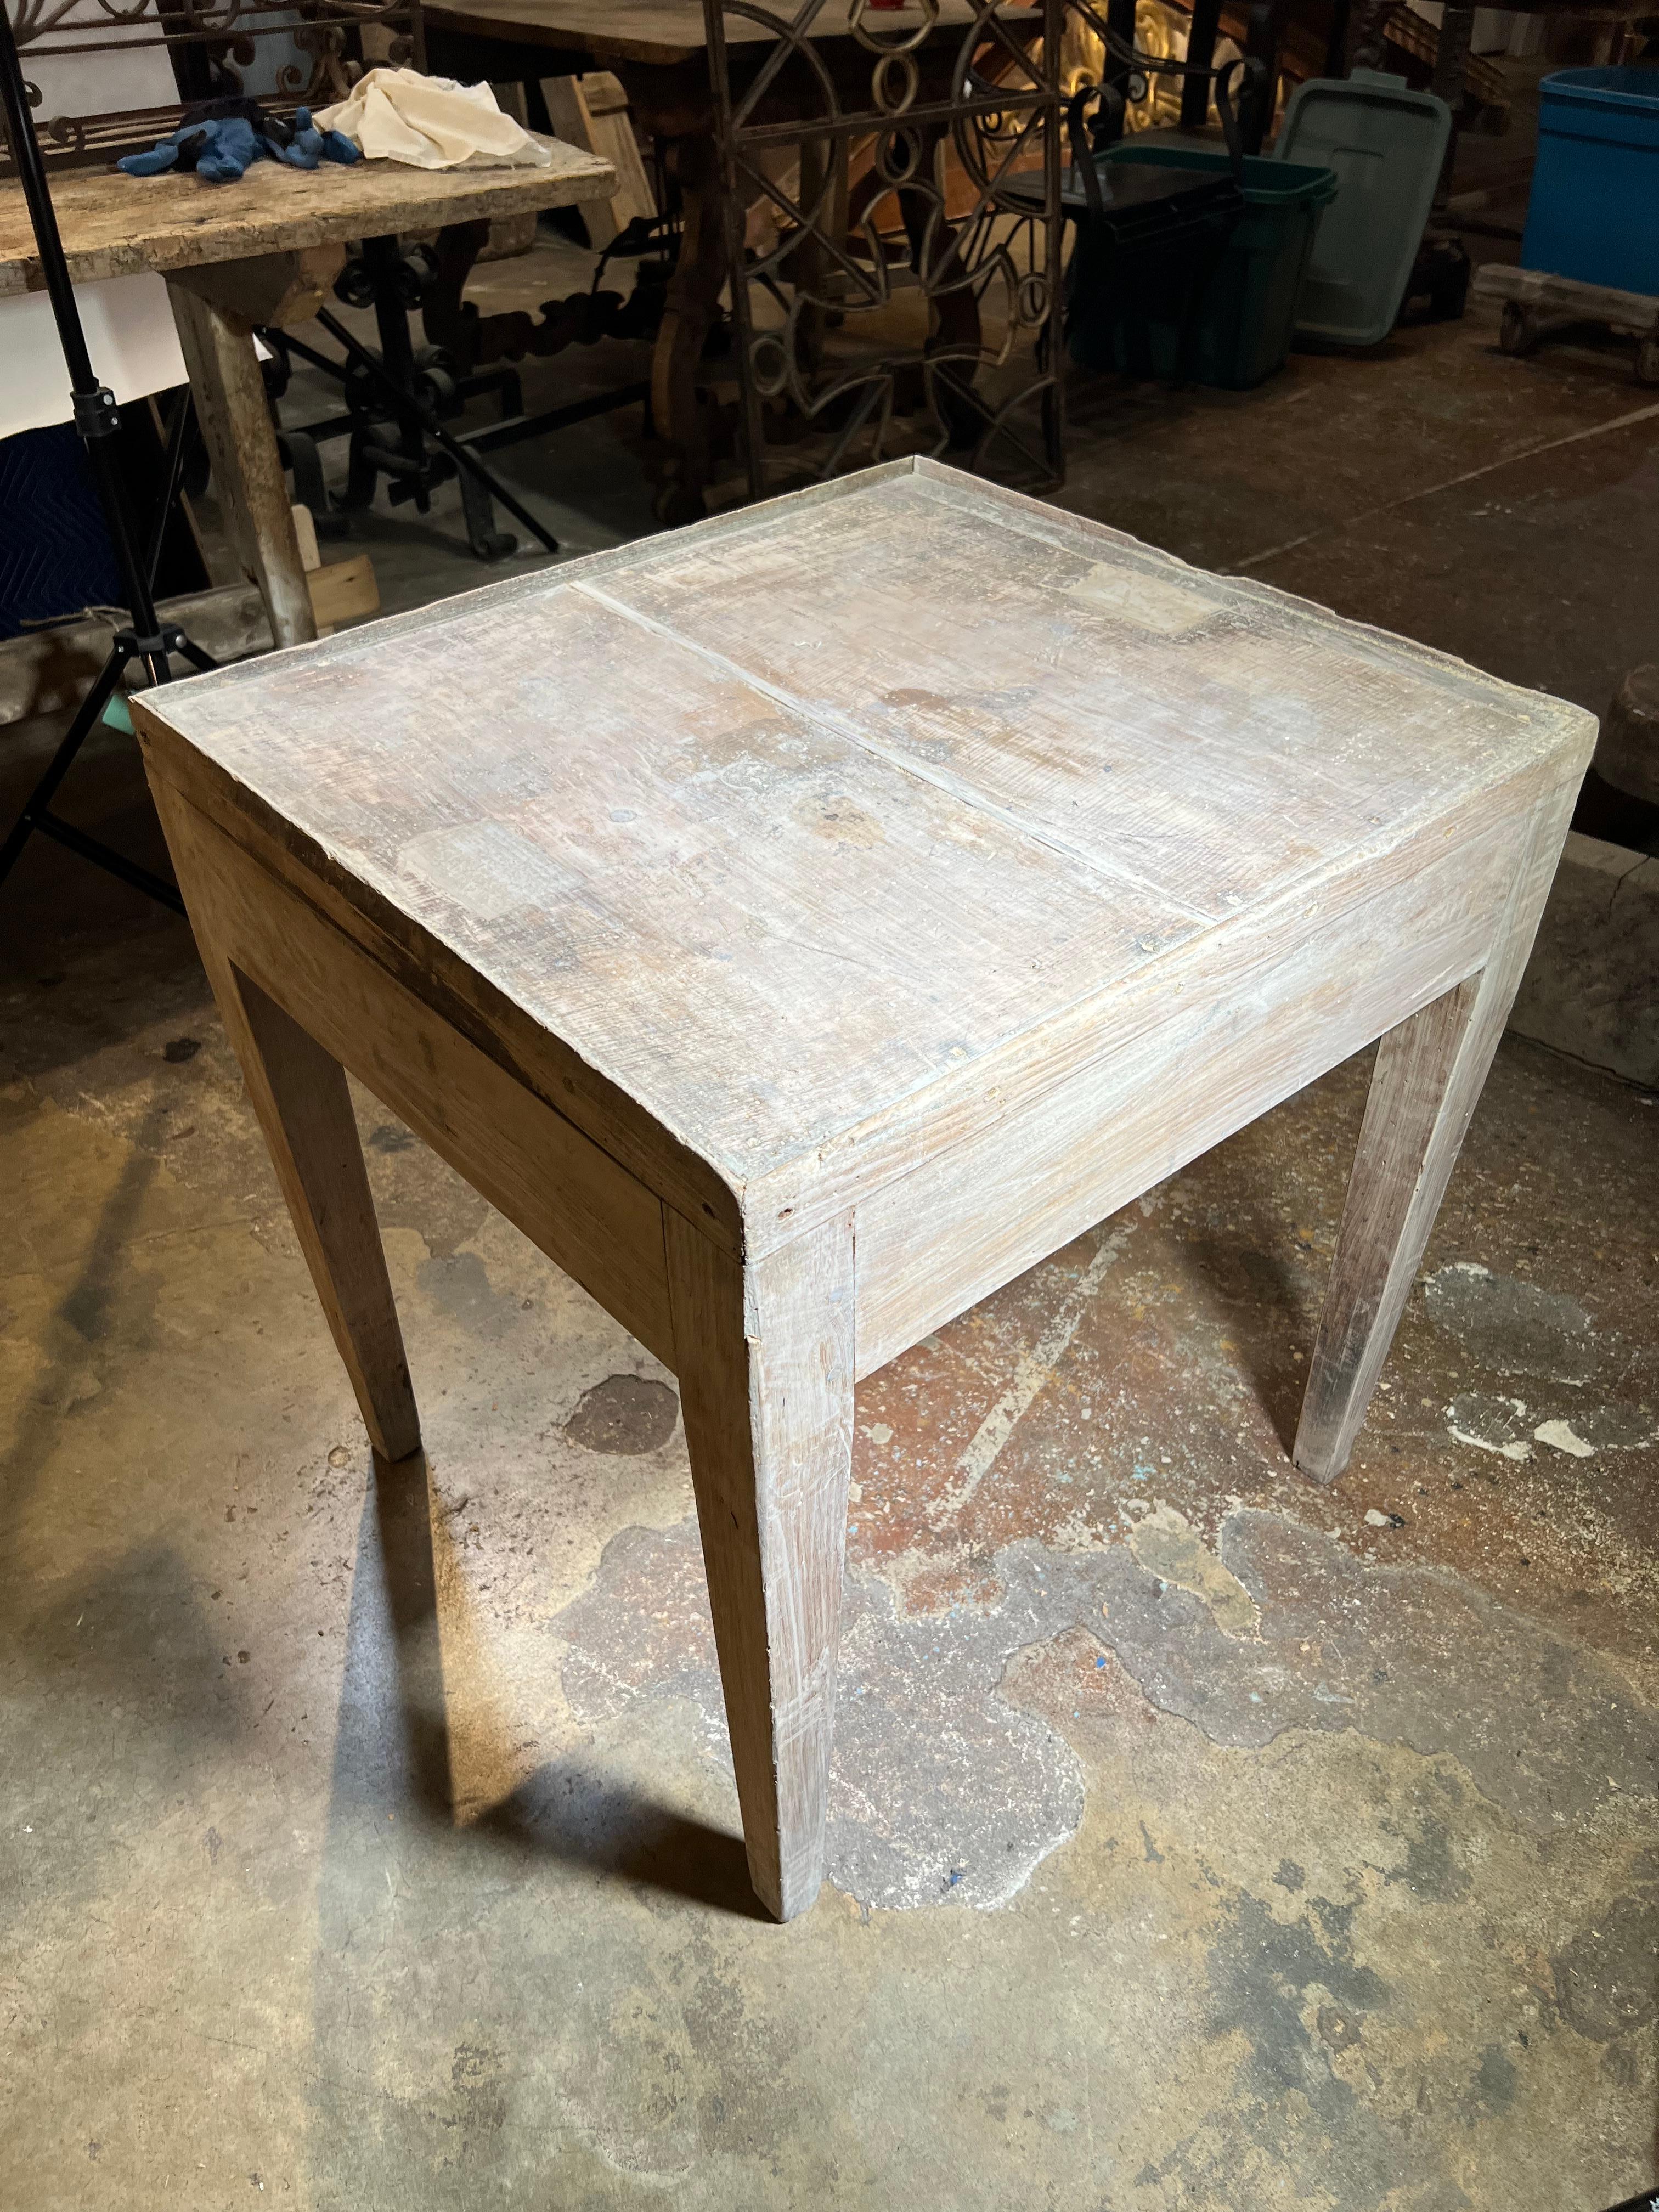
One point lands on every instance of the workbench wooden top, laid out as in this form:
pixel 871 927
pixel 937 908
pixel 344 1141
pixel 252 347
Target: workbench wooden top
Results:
pixel 662 33
pixel 780 820
pixel 114 225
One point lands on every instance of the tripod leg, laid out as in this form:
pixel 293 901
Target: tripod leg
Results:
pixel 35 806
pixel 230 404
pixel 172 467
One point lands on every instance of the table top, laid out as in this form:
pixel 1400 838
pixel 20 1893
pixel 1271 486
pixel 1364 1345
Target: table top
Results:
pixel 778 820
pixel 114 225
pixel 661 32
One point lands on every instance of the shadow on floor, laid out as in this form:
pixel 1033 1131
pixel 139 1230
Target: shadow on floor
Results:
pixel 1257 1286
pixel 572 1812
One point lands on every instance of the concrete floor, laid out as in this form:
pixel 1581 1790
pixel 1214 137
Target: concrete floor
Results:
pixel 1200 1838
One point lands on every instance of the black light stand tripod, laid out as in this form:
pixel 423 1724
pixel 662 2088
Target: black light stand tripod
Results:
pixel 147 640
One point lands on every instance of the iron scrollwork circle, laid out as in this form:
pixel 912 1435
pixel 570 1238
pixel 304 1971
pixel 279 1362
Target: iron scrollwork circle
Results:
pixel 898 43
pixel 768 347
pixel 901 66
pixel 897 157
pixel 1031 299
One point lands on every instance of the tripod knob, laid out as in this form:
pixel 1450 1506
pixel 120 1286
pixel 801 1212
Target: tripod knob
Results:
pixel 96 414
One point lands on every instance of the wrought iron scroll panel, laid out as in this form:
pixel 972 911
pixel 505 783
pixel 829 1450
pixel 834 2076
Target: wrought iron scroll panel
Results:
pixel 952 110
pixel 210 44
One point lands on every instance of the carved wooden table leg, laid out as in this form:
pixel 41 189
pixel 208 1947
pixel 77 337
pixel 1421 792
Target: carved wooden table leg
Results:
pixel 472 340
pixel 679 413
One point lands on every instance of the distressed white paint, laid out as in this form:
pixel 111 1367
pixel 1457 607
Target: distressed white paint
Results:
pixel 845 802
pixel 1515 1448
pixel 807 920
pixel 1561 1436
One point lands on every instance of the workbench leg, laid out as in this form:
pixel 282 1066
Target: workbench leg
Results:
pixel 765 1359
pixel 681 465
pixel 247 471
pixel 304 1106
pixel 1450 63
pixel 1425 1088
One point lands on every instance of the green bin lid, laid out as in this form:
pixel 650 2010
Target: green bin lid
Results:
pixel 1265 183
pixel 1386 144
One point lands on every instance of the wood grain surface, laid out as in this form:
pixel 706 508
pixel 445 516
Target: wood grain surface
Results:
pixel 114 225
pixel 823 816
pixel 656 32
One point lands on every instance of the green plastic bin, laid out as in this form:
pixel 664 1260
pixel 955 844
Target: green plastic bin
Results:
pixel 1240 329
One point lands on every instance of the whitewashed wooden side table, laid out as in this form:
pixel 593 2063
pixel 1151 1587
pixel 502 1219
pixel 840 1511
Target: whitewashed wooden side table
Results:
pixel 800 924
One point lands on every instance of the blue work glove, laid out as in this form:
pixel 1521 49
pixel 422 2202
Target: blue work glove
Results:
pixel 303 150
pixel 217 148
pixel 235 144
pixel 221 147
pixel 160 158
pixel 310 145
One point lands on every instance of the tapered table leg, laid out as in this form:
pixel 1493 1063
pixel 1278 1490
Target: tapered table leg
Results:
pixel 1425 1088
pixel 247 471
pixel 765 1357
pixel 304 1105
pixel 301 1094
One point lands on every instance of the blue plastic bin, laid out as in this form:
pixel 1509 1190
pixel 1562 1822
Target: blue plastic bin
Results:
pixel 1595 208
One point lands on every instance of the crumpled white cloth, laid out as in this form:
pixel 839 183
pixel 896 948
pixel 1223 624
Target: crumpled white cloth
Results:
pixel 431 122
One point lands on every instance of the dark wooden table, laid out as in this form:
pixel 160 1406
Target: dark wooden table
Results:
pixel 658 49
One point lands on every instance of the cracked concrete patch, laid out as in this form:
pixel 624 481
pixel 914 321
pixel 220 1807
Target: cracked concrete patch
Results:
pixel 1492 1424
pixel 1405 1654
pixel 941 1791
pixel 1167 1544
pixel 1607 1978
pixel 1601 1428
pixel 624 1414
pixel 945 1791
pixel 1511 1326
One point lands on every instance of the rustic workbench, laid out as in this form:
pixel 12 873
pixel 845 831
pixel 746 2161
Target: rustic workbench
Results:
pixel 263 250
pixel 795 980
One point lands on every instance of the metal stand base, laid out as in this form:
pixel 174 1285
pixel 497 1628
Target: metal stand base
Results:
pixel 399 396
pixel 96 419
pixel 36 814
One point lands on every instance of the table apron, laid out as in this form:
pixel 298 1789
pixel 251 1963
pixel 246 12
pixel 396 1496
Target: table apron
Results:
pixel 1219 1032
pixel 1270 1009
pixel 575 1202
